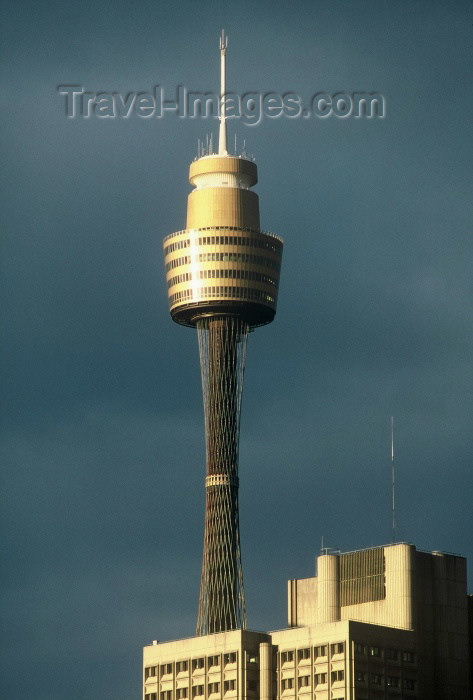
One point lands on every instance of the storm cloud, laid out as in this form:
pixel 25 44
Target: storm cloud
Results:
pixel 102 423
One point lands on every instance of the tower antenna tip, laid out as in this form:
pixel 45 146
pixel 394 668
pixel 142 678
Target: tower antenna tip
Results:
pixel 222 141
pixel 223 41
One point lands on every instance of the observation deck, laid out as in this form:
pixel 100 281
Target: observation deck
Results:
pixel 222 263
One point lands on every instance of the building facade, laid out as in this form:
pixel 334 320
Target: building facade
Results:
pixel 386 622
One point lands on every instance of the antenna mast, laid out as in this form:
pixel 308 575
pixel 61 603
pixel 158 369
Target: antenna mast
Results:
pixel 392 482
pixel 222 140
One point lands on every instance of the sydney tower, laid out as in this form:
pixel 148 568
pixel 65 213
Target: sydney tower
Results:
pixel 222 274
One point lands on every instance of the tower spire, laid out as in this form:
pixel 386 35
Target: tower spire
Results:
pixel 222 141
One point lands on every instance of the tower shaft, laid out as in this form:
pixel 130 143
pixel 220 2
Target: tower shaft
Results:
pixel 222 345
pixel 222 431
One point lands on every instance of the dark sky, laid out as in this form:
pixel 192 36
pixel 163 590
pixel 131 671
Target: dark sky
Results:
pixel 102 437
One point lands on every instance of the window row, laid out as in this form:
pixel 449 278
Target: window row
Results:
pixel 198 691
pixel 304 654
pixel 391 681
pixel 225 257
pixel 213 688
pixel 244 293
pixel 319 679
pixel 378 652
pixel 227 274
pixel 339 675
pixel 183 666
pixel 247 229
pixel 273 245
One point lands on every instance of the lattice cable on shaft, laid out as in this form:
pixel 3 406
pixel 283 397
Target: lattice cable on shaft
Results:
pixel 222 349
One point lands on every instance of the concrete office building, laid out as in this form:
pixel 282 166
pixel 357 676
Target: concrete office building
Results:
pixel 387 622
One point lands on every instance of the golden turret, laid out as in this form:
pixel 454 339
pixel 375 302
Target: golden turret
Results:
pixel 222 262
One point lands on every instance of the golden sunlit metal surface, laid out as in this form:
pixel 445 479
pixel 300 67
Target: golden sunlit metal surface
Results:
pixel 222 262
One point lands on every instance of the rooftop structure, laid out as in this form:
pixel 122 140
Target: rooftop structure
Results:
pixel 383 623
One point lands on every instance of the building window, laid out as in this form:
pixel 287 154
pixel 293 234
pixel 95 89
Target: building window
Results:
pixel 197 664
pixel 230 658
pixel 181 693
pixel 360 676
pixel 151 696
pixel 197 691
pixel 252 686
pixel 408 656
pixel 303 682
pixel 166 669
pixel 303 654
pixel 408 684
pixel 337 648
pixel 287 683
pixel 360 648
pixel 392 654
pixel 320 651
pixel 182 666
pixel 165 695
pixel 320 678
pixel 213 688
pixel 392 681
pixel 337 676
pixel 376 678
pixel 376 652
pixel 213 661
pixel 287 657
pixel 229 686
pixel 150 671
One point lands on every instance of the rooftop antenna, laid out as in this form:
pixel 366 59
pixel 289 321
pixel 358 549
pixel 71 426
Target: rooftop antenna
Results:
pixel 392 482
pixel 222 140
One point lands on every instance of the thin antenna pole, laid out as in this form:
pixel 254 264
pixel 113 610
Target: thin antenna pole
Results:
pixel 392 482
pixel 222 140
